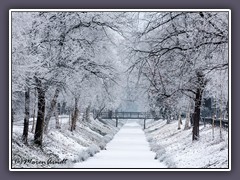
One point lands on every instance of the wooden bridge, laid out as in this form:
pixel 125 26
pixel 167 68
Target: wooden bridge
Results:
pixel 127 115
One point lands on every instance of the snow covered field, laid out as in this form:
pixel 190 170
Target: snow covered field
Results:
pixel 128 149
pixel 176 150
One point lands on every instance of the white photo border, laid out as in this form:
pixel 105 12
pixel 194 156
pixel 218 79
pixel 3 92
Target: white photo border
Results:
pixel 118 10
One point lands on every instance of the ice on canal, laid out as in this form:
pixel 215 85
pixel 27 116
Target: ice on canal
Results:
pixel 128 149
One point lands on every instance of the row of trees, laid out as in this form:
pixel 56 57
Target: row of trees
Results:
pixel 173 60
pixel 182 57
pixel 68 54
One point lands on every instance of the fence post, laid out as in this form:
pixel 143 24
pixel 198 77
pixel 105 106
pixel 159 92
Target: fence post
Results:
pixel 144 127
pixel 116 121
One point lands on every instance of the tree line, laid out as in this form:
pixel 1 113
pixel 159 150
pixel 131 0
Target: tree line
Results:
pixel 172 61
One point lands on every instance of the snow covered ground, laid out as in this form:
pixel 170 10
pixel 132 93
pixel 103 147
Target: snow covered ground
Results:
pixel 176 150
pixel 61 145
pixel 128 149
pixel 99 144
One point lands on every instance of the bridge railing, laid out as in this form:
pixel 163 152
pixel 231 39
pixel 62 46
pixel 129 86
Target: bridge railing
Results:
pixel 148 115
pixel 126 115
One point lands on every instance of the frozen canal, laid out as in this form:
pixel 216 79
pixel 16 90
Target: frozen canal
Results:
pixel 128 149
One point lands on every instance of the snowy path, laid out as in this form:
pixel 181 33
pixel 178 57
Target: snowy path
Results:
pixel 128 149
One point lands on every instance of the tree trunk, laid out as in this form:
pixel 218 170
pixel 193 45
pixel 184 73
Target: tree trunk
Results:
pixel 168 119
pixel 187 121
pixel 51 109
pixel 88 114
pixel 40 114
pixel 179 121
pixel 33 122
pixel 12 120
pixel 59 108
pixel 63 108
pixel 75 115
pixel 34 110
pixel 168 116
pixel 57 118
pixel 213 125
pixel 214 118
pixel 196 115
pixel 198 101
pixel 26 118
pixel 221 116
pixel 70 113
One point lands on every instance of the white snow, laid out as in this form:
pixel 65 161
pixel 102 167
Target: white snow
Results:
pixel 93 145
pixel 128 149
pixel 176 149
pixel 88 139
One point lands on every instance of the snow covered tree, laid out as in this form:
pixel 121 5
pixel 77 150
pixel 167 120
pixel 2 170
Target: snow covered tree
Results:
pixel 59 44
pixel 176 52
pixel 21 66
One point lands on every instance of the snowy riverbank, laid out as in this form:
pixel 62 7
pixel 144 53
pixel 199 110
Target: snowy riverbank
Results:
pixel 171 148
pixel 61 148
pixel 175 147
